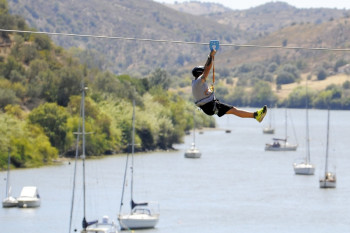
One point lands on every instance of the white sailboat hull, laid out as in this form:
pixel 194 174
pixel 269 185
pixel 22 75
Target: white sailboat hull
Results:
pixel 9 202
pixel 138 221
pixel 28 202
pixel 268 130
pixel 304 169
pixel 327 184
pixel 29 197
pixel 193 154
pixel 102 227
pixel 328 181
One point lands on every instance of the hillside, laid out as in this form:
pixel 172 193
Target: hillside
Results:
pixel 262 20
pixel 330 34
pixel 132 18
pixel 148 19
pixel 198 8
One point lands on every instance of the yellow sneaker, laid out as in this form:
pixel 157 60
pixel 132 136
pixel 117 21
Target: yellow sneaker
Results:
pixel 260 114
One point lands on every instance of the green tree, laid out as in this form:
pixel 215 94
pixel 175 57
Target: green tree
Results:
pixel 272 67
pixel 261 92
pixel 7 97
pixel 160 78
pixel 28 145
pixel 322 74
pixel 297 98
pixel 42 42
pixel 27 53
pixel 69 84
pixel 323 99
pixel 237 97
pixel 53 119
pixel 10 66
pixel 284 78
pixel 339 63
pixel 346 84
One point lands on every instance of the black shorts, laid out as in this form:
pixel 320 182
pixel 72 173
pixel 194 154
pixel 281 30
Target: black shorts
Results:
pixel 215 106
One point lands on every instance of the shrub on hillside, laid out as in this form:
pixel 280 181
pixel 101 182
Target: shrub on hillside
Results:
pixel 7 97
pixel 346 84
pixel 339 63
pixel 284 78
pixel 322 74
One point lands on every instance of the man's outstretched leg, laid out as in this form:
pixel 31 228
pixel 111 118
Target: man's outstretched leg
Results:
pixel 258 115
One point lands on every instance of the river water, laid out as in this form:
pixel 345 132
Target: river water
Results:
pixel 235 186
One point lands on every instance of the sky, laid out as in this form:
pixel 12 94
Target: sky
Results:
pixel 246 4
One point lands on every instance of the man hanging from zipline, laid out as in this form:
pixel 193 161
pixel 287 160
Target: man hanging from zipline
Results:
pixel 205 98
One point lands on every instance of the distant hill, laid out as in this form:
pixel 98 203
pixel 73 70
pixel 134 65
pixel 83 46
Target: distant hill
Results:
pixel 330 34
pixel 132 18
pixel 269 24
pixel 198 8
pixel 261 20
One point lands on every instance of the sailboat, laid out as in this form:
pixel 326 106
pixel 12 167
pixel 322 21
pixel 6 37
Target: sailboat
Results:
pixel 329 180
pixel 281 144
pixel 9 200
pixel 29 197
pixel 269 129
pixel 141 216
pixel 305 167
pixel 105 226
pixel 193 152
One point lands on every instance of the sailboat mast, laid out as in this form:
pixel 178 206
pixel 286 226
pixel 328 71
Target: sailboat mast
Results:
pixel 83 154
pixel 8 175
pixel 270 121
pixel 75 174
pixel 285 126
pixel 307 127
pixel 327 149
pixel 132 152
pixel 194 127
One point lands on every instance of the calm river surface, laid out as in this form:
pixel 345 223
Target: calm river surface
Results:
pixel 234 187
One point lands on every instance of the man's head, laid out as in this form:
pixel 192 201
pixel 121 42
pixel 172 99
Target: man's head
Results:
pixel 197 71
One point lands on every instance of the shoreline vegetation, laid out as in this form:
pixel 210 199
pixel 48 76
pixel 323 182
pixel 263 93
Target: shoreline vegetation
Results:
pixel 62 160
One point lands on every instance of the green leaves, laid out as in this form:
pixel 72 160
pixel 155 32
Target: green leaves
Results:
pixel 28 144
pixel 52 119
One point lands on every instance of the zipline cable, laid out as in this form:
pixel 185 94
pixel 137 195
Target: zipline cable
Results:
pixel 101 36
pixel 175 42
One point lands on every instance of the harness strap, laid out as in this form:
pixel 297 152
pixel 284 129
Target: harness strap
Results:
pixel 213 71
pixel 215 109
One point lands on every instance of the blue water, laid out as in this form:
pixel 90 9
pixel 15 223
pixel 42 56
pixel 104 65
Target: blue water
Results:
pixel 234 187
